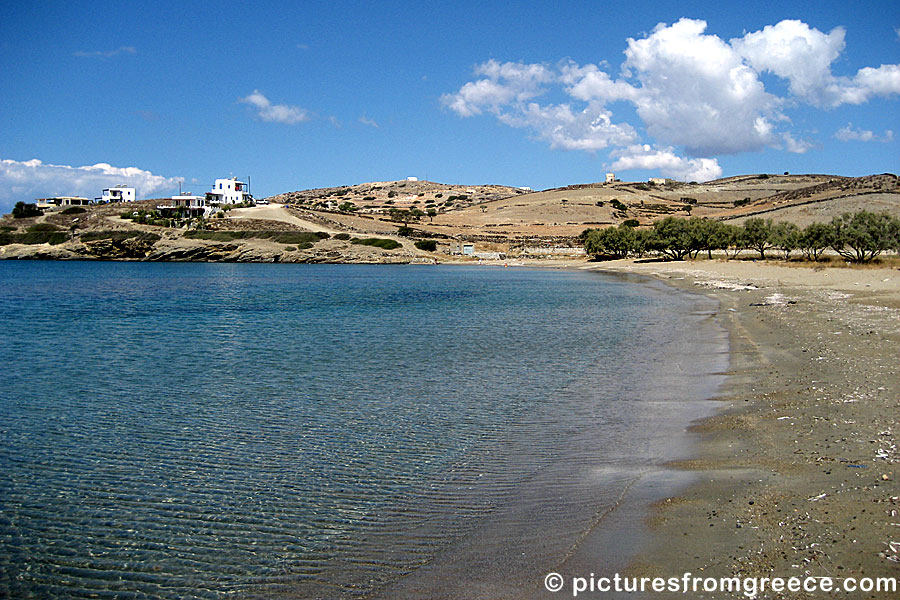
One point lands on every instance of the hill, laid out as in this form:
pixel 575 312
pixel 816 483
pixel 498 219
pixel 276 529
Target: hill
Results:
pixel 496 218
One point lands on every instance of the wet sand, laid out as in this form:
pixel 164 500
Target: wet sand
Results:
pixel 798 473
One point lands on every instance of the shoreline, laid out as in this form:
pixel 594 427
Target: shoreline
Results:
pixel 797 473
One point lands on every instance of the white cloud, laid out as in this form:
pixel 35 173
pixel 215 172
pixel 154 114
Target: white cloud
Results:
pixel 794 51
pixel 106 54
pixel 868 82
pixel 696 92
pixel 803 56
pixel 277 113
pixel 690 89
pixel 30 179
pixel 588 129
pixel 667 162
pixel 367 121
pixel 503 85
pixel 797 146
pixel 848 133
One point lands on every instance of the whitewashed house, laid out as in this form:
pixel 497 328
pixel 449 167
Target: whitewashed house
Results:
pixel 228 191
pixel 120 193
pixel 610 178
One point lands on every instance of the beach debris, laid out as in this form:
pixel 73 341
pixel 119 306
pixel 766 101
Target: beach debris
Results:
pixel 721 284
pixel 775 299
pixel 817 498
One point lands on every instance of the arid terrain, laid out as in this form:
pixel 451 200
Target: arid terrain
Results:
pixel 514 222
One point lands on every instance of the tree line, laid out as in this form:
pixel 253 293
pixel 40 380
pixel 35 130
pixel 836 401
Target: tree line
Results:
pixel 858 237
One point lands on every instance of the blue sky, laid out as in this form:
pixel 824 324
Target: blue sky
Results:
pixel 301 95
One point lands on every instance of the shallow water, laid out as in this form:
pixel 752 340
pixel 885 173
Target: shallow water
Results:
pixel 199 430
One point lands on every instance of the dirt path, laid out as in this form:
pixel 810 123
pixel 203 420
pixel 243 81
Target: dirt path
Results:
pixel 277 212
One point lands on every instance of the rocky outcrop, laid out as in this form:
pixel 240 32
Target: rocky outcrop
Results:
pixel 115 249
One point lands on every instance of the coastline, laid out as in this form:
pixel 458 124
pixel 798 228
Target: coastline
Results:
pixel 797 475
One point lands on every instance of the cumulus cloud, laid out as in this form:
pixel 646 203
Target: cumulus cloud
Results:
pixel 803 56
pixel 691 90
pixel 667 162
pixel 107 53
pixel 696 92
pixel 588 129
pixel 277 113
pixel 501 85
pixel 848 133
pixel 30 179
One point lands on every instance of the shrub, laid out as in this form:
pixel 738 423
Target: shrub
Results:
pixel 439 195
pixel 617 204
pixel 384 243
pixel 342 236
pixel 43 227
pixel 119 235
pixel 426 245
pixel 405 231
pixel 743 202
pixel 347 207
pixel 631 223
pixel 23 211
pixel 73 210
pixel 299 238
pixel 34 237
pixel 392 194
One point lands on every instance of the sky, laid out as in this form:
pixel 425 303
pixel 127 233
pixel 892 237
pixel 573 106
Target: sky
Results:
pixel 298 95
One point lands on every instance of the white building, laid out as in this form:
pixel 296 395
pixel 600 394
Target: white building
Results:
pixel 412 178
pixel 228 191
pixel 659 180
pixel 189 204
pixel 610 178
pixel 120 193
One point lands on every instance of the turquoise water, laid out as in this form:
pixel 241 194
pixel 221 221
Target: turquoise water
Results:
pixel 200 430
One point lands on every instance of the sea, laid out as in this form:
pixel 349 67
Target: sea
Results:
pixel 193 430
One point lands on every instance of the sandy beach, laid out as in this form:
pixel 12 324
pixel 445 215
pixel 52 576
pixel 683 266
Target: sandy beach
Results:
pixel 798 474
